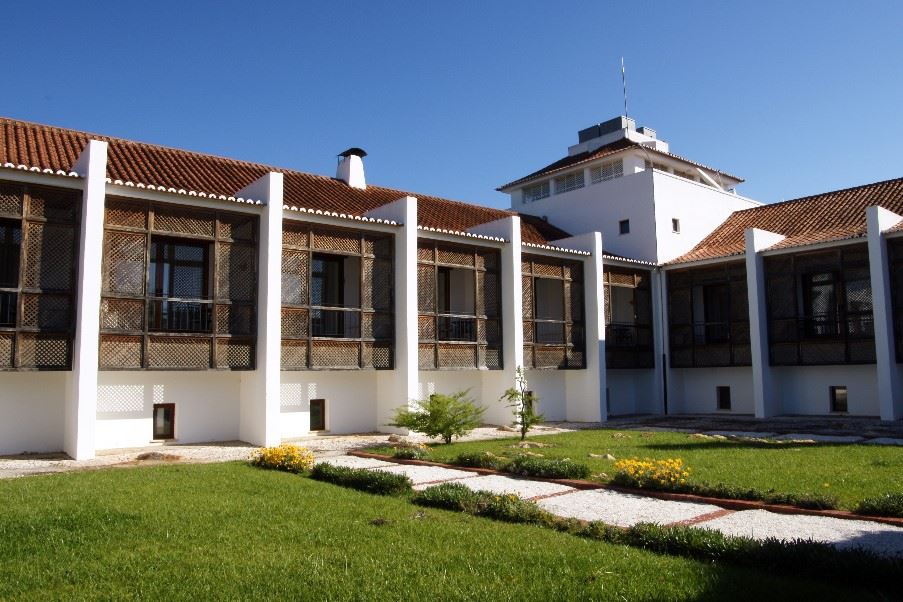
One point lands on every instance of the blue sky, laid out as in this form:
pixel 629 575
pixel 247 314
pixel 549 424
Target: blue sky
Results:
pixel 456 98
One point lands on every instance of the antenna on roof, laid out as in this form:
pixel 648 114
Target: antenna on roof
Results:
pixel 624 82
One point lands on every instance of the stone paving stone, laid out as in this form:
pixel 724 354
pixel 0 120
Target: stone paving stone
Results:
pixel 523 488
pixel 843 533
pixel 749 434
pixel 622 509
pixel 427 474
pixel 884 441
pixel 354 462
pixel 820 438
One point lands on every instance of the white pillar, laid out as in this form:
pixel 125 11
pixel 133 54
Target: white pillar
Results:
pixel 398 387
pixel 259 407
pixel 81 397
pixel 585 400
pixel 890 390
pixel 765 400
pixel 660 339
pixel 496 382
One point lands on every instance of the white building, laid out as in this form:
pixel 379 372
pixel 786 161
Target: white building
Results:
pixel 154 294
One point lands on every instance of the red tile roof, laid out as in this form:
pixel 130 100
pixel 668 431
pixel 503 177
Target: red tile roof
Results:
pixel 823 217
pixel 605 151
pixel 49 147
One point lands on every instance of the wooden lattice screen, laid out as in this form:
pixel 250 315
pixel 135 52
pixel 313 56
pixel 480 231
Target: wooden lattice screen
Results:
pixel 844 332
pixel 895 258
pixel 455 340
pixel 367 336
pixel 628 342
pixel 717 336
pixel 141 329
pixel 38 247
pixel 554 343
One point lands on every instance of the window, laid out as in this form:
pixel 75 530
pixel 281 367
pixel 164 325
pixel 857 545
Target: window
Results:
pixel 164 419
pixel 536 192
pixel 179 280
pixel 723 397
pixel 318 414
pixel 711 313
pixel 455 299
pixel 10 251
pixel 571 181
pixel 548 304
pixel 624 226
pixel 838 399
pixel 334 283
pixel 820 304
pixel 675 225
pixel 553 313
pixel 606 171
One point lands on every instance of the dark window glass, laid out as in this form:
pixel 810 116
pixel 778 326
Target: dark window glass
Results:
pixel 717 303
pixel 327 285
pixel 820 304
pixel 723 396
pixel 838 399
pixel 443 290
pixel 318 414
pixel 164 420
pixel 179 276
pixel 10 245
pixel 624 226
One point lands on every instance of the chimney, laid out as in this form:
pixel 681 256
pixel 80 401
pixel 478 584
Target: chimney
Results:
pixel 351 168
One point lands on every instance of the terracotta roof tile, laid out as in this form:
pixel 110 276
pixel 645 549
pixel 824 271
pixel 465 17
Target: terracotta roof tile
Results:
pixel 605 151
pixel 36 145
pixel 823 217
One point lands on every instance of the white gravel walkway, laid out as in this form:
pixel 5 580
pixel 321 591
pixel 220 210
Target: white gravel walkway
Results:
pixel 843 533
pixel 420 475
pixel 524 488
pixel 623 509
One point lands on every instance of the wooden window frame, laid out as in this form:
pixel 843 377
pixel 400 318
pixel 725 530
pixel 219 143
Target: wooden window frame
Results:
pixel 629 346
pixel 322 403
pixel 571 353
pixel 172 429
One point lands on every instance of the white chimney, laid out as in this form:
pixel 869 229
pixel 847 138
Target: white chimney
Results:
pixel 351 168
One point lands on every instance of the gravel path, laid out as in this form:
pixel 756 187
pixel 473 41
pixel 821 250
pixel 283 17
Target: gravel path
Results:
pixel 623 509
pixel 420 475
pixel 524 488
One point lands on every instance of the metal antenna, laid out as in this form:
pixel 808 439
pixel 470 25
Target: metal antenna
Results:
pixel 624 81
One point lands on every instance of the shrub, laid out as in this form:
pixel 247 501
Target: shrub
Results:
pixel 379 482
pixel 548 468
pixel 411 452
pixel 480 460
pixel 507 507
pixel 445 416
pixel 523 404
pixel 652 474
pixel 287 457
pixel 889 504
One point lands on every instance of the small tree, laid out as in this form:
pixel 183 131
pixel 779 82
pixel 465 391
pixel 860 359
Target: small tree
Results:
pixel 440 415
pixel 523 404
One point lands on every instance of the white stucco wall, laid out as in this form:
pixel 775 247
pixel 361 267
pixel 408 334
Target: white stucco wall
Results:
pixel 351 401
pixel 692 390
pixel 804 389
pixel 550 386
pixel 699 208
pixel 632 392
pixel 207 406
pixel 32 411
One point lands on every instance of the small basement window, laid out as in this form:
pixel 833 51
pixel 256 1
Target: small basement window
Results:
pixel 624 226
pixel 838 399
pixel 675 225
pixel 723 396
pixel 318 414
pixel 164 421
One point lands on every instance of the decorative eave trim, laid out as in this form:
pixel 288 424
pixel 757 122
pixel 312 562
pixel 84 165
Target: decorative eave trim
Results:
pixel 183 192
pixel 357 218
pixel 460 233
pixel 534 245
pixel 628 260
pixel 44 170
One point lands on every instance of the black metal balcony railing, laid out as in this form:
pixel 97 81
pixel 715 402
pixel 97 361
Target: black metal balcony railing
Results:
pixel 8 301
pixel 707 333
pixel 171 315
pixel 457 328
pixel 335 322
pixel 548 331
pixel 852 325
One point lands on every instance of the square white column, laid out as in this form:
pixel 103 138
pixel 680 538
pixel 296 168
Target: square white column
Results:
pixel 890 389
pixel 81 395
pixel 259 407
pixel 765 398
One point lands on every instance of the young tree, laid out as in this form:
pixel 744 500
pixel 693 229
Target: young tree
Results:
pixel 445 416
pixel 523 404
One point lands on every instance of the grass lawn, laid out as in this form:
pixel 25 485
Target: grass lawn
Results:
pixel 850 472
pixel 229 531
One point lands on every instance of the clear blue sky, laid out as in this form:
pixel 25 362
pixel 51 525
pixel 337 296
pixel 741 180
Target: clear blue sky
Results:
pixel 456 98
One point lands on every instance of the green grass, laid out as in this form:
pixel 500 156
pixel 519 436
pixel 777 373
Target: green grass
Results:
pixel 230 531
pixel 850 472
